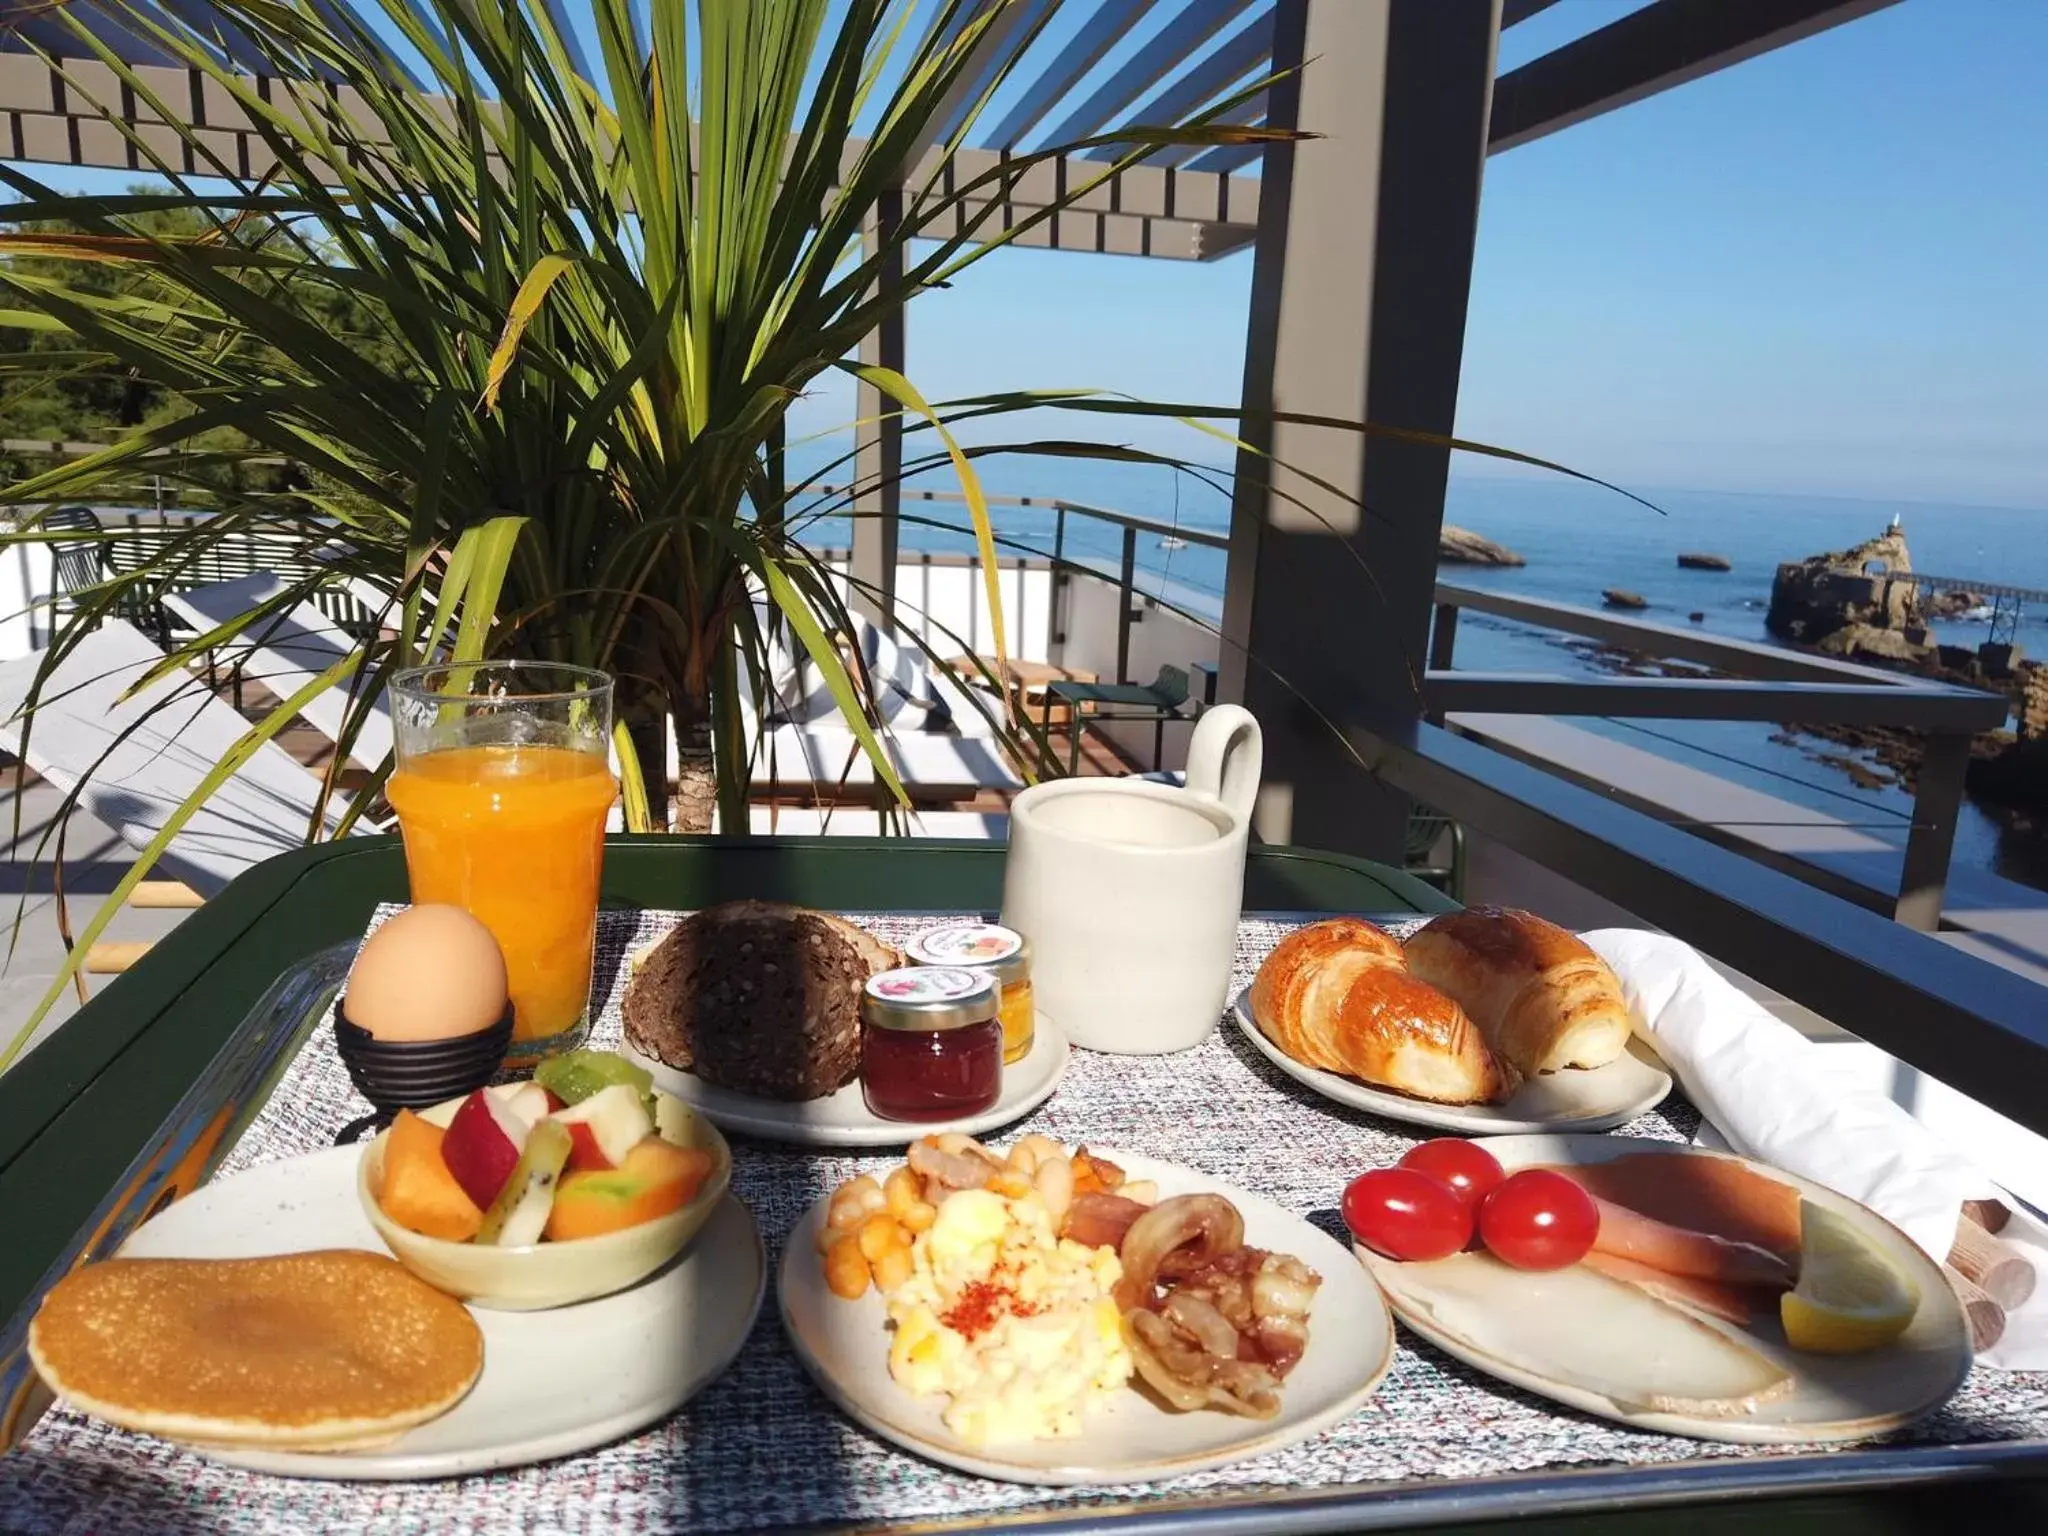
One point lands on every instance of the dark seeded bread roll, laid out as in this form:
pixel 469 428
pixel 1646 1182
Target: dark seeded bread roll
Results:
pixel 758 997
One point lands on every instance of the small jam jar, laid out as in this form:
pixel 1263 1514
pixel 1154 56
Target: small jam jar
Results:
pixel 930 1045
pixel 1004 955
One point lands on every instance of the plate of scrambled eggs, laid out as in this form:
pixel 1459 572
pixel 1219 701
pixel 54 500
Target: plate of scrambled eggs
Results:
pixel 998 1347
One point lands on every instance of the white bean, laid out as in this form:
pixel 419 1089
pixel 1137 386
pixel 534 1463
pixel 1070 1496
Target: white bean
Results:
pixel 1054 1181
pixel 1143 1191
pixel 1033 1150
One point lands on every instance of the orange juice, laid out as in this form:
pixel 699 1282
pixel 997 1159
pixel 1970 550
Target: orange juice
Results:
pixel 516 836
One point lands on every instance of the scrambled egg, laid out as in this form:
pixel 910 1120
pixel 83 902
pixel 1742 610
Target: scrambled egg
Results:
pixel 1018 1326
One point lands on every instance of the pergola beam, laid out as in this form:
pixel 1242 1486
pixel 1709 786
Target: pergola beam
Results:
pixel 1174 45
pixel 1180 214
pixel 1237 56
pixel 1102 31
pixel 1665 44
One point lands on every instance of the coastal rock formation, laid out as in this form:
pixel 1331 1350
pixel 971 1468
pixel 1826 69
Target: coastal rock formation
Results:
pixel 1698 562
pixel 1812 599
pixel 1621 597
pixel 1952 605
pixel 1461 546
pixel 1867 642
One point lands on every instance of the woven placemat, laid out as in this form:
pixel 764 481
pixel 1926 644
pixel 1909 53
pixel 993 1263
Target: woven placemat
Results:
pixel 761 1449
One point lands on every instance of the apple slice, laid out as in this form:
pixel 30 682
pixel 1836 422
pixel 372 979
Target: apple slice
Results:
pixel 606 1126
pixel 530 1103
pixel 520 1213
pixel 483 1144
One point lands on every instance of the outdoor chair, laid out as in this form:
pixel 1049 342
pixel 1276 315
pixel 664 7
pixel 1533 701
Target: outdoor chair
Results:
pixel 1158 701
pixel 79 564
pixel 1426 831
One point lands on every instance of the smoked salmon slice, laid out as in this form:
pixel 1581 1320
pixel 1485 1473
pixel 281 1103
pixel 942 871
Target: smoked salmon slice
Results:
pixel 1654 1244
pixel 1730 1303
pixel 1700 1193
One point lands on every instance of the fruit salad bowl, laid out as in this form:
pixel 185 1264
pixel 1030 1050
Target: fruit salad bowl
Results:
pixel 555 1271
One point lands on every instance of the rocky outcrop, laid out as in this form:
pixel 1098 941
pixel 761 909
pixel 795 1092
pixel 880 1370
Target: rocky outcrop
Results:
pixel 1866 642
pixel 1951 605
pixel 1812 599
pixel 1621 597
pixel 1461 546
pixel 1698 562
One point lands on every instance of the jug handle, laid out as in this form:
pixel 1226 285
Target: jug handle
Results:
pixel 1225 759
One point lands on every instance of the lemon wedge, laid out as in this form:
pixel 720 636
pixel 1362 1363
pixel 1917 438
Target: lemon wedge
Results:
pixel 1851 1298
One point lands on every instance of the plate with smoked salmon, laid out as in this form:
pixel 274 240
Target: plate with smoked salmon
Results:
pixel 1663 1287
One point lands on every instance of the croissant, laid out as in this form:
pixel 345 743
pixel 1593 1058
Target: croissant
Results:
pixel 1540 995
pixel 1337 996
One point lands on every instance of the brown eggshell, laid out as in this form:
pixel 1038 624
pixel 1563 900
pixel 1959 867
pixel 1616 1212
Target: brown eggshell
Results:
pixel 429 973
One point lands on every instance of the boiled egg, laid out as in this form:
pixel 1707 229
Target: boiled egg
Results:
pixel 429 973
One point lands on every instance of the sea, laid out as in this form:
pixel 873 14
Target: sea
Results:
pixel 1579 540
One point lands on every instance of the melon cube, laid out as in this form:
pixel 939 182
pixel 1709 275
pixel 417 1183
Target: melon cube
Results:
pixel 656 1177
pixel 415 1188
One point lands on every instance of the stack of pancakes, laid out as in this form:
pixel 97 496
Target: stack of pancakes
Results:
pixel 334 1350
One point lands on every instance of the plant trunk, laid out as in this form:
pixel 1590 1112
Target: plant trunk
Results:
pixel 696 770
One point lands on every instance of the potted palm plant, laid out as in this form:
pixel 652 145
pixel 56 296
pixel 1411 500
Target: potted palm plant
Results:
pixel 523 327
pixel 581 298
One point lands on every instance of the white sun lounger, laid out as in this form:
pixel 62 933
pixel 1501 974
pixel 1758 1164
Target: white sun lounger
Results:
pixel 134 779
pixel 808 746
pixel 285 652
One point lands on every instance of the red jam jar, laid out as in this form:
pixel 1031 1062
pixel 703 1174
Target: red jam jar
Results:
pixel 931 1044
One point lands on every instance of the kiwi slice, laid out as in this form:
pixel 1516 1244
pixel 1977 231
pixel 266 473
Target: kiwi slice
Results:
pixel 574 1076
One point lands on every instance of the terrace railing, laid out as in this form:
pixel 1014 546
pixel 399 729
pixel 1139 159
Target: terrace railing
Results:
pixel 1744 681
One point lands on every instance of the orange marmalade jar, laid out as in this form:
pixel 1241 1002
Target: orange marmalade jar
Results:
pixel 1005 956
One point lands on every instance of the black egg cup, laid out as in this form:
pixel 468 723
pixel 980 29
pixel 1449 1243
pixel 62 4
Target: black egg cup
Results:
pixel 416 1074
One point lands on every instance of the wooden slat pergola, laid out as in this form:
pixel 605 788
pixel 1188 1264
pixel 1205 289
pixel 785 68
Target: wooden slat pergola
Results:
pixel 1363 238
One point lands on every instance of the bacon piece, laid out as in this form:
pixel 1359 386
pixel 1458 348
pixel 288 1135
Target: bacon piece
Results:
pixel 1728 1302
pixel 1100 1221
pixel 1701 1193
pixel 1627 1234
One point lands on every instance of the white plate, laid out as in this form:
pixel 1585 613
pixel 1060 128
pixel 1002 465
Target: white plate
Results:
pixel 845 1346
pixel 1835 1397
pixel 843 1119
pixel 554 1383
pixel 1571 1100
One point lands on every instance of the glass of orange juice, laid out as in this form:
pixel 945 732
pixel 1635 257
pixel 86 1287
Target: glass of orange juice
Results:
pixel 502 786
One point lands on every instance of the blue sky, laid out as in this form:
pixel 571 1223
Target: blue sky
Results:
pixel 1819 272
pixel 1823 271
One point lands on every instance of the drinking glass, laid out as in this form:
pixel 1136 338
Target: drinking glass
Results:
pixel 502 786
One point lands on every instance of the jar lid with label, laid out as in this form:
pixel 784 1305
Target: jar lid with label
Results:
pixel 1002 952
pixel 928 997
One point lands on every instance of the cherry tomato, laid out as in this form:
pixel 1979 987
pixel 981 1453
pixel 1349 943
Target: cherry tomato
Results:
pixel 1406 1215
pixel 1538 1219
pixel 1467 1168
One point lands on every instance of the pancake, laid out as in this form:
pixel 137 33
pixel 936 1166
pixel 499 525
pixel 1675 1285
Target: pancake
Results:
pixel 338 1349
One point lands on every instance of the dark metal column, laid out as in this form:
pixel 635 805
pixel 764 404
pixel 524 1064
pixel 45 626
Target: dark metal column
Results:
pixel 1358 312
pixel 1923 879
pixel 878 438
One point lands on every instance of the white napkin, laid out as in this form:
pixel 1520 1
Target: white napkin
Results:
pixel 1780 1098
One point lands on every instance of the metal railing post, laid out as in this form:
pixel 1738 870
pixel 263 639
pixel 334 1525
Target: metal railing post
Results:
pixel 1126 590
pixel 1443 635
pixel 1443 643
pixel 1923 881
pixel 1060 587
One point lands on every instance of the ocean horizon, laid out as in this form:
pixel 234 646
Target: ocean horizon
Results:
pixel 1578 540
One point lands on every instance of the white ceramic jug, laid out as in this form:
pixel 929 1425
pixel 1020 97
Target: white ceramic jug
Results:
pixel 1129 892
